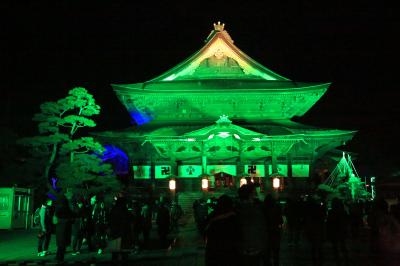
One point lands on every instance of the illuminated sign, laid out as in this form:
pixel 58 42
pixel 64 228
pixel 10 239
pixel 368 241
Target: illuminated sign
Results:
pixel 254 170
pixel 282 169
pixel 189 170
pixel 141 171
pixel 300 170
pixel 162 171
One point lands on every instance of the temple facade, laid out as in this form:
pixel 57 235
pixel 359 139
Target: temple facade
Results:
pixel 222 115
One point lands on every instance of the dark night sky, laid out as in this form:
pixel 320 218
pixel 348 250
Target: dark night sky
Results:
pixel 50 48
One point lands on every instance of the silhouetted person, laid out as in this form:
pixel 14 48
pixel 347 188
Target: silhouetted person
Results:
pixel 120 228
pixel 375 219
pixel 337 224
pixel 395 210
pixel 78 227
pixel 137 224
pixel 46 227
pixel 252 227
pixel 146 213
pixel 99 216
pixel 163 222
pixel 314 218
pixel 200 214
pixel 176 214
pixel 274 221
pixel 221 235
pixel 63 220
pixel 89 224
pixel 356 219
pixel 293 212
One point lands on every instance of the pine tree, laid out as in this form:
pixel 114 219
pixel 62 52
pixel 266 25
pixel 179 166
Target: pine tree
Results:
pixel 72 157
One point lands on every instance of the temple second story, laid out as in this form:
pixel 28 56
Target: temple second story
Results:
pixel 218 79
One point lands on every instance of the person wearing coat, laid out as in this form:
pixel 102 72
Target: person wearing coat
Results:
pixel 63 217
pixel 337 224
pixel 46 227
pixel 120 227
pixel 163 222
pixel 100 222
pixel 274 223
pixel 252 227
pixel 77 227
pixel 221 235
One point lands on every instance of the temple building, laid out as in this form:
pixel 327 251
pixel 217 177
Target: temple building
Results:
pixel 223 115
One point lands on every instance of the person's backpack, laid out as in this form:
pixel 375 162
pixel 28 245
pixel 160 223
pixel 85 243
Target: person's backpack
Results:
pixel 36 216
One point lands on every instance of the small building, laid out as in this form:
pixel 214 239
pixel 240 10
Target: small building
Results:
pixel 16 206
pixel 222 114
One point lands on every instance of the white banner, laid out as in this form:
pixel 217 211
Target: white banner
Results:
pixel 215 169
pixel 189 170
pixel 141 171
pixel 300 170
pixel 282 169
pixel 162 171
pixel 254 170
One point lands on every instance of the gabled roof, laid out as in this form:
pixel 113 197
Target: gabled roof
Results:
pixel 219 58
pixel 224 128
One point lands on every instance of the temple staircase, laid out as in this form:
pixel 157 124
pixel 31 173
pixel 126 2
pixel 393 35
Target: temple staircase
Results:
pixel 186 200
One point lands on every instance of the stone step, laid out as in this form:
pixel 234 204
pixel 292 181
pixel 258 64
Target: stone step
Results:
pixel 186 200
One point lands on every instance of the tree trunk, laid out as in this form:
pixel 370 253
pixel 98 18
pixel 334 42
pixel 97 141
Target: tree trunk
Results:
pixel 71 134
pixel 50 162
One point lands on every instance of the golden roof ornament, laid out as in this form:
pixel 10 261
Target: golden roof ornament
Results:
pixel 218 26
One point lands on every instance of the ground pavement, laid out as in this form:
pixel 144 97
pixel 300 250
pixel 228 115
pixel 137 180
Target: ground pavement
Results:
pixel 18 247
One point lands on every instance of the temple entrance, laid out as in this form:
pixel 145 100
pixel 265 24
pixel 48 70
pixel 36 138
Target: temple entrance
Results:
pixel 224 180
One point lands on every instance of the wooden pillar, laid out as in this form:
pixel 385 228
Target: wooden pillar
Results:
pixel 153 185
pixel 289 165
pixel 174 166
pixel 239 172
pixel 267 179
pixel 274 164
pixel 204 164
pixel 239 166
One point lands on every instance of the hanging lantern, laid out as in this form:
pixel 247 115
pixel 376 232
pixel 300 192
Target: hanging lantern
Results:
pixel 204 183
pixel 276 183
pixel 172 184
pixel 243 181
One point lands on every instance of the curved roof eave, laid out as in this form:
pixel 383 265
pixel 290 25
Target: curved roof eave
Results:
pixel 210 86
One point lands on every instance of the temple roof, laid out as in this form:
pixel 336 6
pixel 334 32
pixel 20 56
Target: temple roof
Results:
pixel 228 85
pixel 218 79
pixel 219 58
pixel 223 139
pixel 275 128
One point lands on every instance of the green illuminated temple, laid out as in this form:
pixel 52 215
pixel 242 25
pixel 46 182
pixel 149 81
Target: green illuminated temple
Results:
pixel 222 114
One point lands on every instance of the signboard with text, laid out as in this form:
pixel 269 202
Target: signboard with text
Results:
pixel 189 170
pixel 282 169
pixel 254 170
pixel 300 170
pixel 162 171
pixel 141 171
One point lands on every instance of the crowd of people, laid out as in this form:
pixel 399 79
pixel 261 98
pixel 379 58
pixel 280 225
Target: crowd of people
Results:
pixel 123 225
pixel 246 231
pixel 238 230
